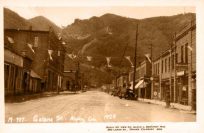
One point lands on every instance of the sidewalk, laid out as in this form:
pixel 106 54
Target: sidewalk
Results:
pixel 26 97
pixel 180 107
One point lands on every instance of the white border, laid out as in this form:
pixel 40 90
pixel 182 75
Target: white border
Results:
pixel 190 127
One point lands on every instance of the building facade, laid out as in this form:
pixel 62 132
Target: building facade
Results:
pixel 174 72
pixel 143 83
pixel 35 57
pixel 122 82
pixel 18 58
pixel 185 43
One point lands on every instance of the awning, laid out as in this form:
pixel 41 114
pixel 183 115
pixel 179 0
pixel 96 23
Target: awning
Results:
pixel 34 75
pixel 140 84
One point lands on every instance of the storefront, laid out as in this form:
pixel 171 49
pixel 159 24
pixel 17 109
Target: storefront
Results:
pixel 156 90
pixel 13 73
pixel 182 85
pixel 35 82
pixel 141 87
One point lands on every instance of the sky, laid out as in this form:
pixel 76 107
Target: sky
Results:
pixel 63 16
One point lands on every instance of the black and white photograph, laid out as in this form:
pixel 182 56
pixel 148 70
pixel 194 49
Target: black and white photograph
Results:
pixel 100 64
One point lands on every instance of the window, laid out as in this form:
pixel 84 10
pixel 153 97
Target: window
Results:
pixel 182 61
pixel 176 58
pixel 172 62
pixel 169 63
pixel 158 68
pixel 165 65
pixel 186 53
pixel 36 39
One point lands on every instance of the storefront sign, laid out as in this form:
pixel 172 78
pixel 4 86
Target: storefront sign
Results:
pixel 181 73
pixel 13 58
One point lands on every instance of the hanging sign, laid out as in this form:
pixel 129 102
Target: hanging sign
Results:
pixel 128 58
pixel 148 57
pixel 108 61
pixel 31 47
pixel 50 54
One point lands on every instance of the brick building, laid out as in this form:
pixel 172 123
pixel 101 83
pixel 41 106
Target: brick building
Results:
pixel 163 76
pixel 174 72
pixel 185 44
pixel 39 70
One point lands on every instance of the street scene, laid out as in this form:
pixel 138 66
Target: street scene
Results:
pixel 85 64
pixel 91 106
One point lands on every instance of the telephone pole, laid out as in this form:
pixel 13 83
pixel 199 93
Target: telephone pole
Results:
pixel 135 58
pixel 152 77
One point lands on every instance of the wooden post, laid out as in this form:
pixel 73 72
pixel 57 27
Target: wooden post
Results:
pixel 135 58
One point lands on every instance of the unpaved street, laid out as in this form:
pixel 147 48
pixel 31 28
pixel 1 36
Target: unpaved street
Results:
pixel 91 106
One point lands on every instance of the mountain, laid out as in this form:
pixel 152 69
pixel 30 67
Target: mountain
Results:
pixel 42 23
pixel 110 35
pixel 114 36
pixel 14 21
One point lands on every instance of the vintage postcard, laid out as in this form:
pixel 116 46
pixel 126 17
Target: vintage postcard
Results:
pixel 129 67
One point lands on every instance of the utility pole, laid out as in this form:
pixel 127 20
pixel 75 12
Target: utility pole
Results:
pixel 152 79
pixel 170 67
pixel 174 60
pixel 135 58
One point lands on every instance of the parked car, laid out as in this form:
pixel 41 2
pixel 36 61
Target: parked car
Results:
pixel 85 88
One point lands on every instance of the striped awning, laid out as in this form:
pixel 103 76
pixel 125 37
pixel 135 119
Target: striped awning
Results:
pixel 140 84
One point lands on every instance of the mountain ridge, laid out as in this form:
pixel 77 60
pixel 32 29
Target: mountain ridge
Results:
pixel 108 36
